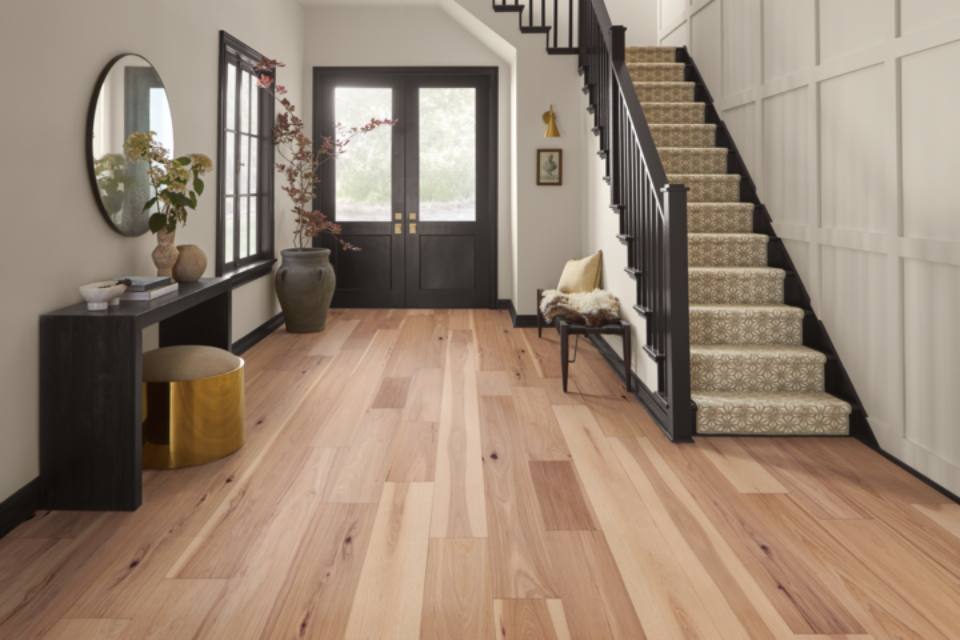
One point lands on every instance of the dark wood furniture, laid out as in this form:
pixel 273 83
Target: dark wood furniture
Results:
pixel 567 329
pixel 90 390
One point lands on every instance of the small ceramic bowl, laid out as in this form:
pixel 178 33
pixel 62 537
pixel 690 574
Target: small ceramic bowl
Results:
pixel 101 295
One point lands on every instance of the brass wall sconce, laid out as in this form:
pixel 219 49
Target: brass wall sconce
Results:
pixel 550 119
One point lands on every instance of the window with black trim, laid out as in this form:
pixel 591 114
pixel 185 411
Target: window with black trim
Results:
pixel 245 169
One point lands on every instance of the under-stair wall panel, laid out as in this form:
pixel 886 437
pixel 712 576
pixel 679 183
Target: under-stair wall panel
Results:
pixel 848 124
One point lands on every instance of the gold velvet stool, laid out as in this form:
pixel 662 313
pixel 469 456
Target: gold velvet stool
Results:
pixel 192 406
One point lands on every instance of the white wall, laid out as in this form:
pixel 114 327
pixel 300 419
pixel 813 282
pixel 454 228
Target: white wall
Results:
pixel 846 111
pixel 639 17
pixel 54 238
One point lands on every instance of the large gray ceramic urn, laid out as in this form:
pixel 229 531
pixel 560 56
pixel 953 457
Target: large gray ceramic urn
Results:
pixel 305 285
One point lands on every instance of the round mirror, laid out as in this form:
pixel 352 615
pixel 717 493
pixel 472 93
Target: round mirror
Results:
pixel 129 98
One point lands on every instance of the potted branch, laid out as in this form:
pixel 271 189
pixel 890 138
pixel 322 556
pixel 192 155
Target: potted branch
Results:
pixel 305 281
pixel 177 187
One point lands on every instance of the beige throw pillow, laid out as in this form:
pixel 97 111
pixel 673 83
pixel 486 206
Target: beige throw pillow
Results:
pixel 581 276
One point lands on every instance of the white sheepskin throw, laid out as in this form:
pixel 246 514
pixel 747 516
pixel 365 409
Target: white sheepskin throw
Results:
pixel 594 308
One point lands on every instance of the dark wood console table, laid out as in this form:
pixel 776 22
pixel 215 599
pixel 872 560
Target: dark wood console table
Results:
pixel 90 390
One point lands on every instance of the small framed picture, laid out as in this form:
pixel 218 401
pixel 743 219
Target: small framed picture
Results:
pixel 550 167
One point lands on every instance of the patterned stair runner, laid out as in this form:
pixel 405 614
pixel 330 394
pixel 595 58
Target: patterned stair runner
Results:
pixel 750 372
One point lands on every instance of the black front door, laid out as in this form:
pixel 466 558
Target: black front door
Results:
pixel 419 198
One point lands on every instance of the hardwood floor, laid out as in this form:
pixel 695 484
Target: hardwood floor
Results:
pixel 420 474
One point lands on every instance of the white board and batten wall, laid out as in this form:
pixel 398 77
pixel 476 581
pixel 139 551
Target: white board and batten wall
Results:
pixel 846 112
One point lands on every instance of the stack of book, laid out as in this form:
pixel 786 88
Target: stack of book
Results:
pixel 143 288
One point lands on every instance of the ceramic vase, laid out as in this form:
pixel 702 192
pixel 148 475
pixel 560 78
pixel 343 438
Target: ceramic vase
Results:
pixel 305 284
pixel 191 263
pixel 165 254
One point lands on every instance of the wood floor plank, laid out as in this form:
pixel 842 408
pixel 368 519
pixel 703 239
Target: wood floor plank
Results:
pixel 789 578
pixel 424 398
pixel 946 515
pixel 389 597
pixel 542 438
pixel 653 579
pixel 459 505
pixel 561 499
pixel 413 452
pixel 802 481
pixel 176 609
pixel 869 589
pixel 521 565
pixel 318 593
pixel 594 597
pixel 530 619
pixel 392 393
pixel 494 383
pixel 246 607
pixel 714 599
pixel 739 467
pixel 339 406
pixel 742 591
pixel 359 471
pixel 331 340
pixel 88 629
pixel 458 597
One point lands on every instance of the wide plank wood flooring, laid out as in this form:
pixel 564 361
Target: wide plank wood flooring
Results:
pixel 419 474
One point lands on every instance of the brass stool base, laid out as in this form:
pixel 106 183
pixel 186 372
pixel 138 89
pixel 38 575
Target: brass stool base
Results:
pixel 191 422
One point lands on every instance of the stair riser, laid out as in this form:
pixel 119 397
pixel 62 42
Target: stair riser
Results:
pixel 772 421
pixel 719 221
pixel 732 328
pixel 727 254
pixel 701 161
pixel 736 373
pixel 657 73
pixel 727 190
pixel 735 289
pixel 674 113
pixel 664 93
pixel 652 54
pixel 679 136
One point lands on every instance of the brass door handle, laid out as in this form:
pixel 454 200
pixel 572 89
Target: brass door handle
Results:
pixel 413 228
pixel 412 216
pixel 397 228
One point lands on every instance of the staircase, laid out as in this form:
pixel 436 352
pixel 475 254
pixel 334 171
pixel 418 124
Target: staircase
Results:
pixel 760 363
pixel 750 372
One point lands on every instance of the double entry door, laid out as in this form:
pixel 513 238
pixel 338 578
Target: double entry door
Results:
pixel 418 199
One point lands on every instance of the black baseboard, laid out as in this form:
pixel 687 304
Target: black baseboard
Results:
pixel 519 321
pixel 258 334
pixel 19 507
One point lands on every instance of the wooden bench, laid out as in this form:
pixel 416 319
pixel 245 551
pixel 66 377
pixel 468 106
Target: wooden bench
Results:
pixel 567 329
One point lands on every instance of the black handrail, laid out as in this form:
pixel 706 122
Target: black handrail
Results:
pixel 653 214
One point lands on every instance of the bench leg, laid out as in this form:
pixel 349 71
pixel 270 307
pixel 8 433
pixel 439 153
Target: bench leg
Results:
pixel 627 360
pixel 539 317
pixel 564 355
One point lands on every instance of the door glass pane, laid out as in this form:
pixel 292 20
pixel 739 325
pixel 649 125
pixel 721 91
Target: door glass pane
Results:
pixel 244 102
pixel 363 172
pixel 231 96
pixel 448 154
pixel 229 167
pixel 254 225
pixel 244 164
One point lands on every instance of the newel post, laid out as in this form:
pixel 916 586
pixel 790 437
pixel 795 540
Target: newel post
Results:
pixel 677 313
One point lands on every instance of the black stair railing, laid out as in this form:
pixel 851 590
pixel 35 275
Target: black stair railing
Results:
pixel 556 18
pixel 653 214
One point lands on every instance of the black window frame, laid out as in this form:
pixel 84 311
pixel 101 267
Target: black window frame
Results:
pixel 244 57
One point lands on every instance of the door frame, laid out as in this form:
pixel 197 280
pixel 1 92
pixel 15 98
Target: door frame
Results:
pixel 490 172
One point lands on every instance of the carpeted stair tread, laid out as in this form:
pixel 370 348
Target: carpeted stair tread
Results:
pixel 656 71
pixel 684 135
pixel 724 324
pixel 674 112
pixel 735 413
pixel 709 187
pixel 650 54
pixel 665 91
pixel 720 217
pixel 697 160
pixel 756 368
pixel 727 249
pixel 736 285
